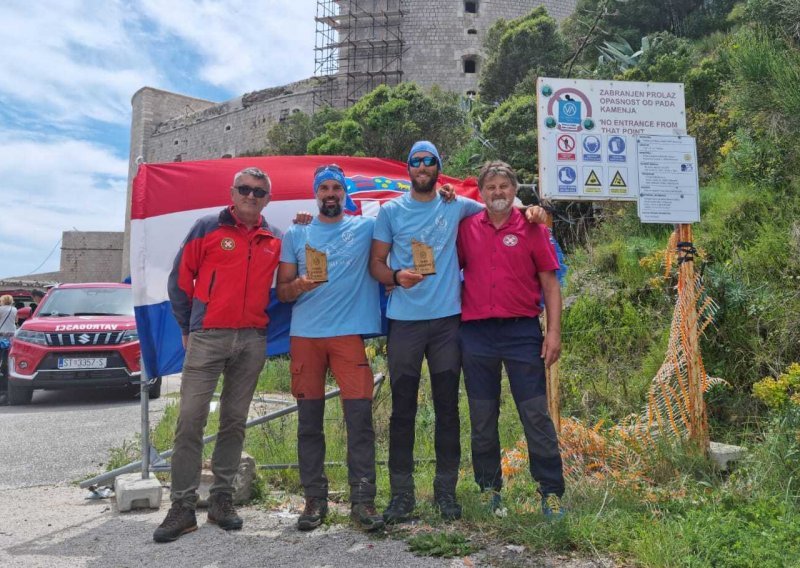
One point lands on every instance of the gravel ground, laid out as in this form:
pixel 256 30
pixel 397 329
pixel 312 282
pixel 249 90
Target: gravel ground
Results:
pixel 55 527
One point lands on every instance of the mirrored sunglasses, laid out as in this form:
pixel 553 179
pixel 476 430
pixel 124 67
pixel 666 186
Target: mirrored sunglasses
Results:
pixel 427 160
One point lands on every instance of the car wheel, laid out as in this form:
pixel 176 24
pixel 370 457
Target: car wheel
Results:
pixel 155 389
pixel 19 395
pixel 132 391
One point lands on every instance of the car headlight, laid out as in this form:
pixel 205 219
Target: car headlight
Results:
pixel 129 335
pixel 36 337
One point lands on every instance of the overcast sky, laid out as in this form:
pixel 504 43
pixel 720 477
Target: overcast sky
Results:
pixel 68 69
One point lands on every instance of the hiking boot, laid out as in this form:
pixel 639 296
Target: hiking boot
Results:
pixel 494 503
pixel 448 507
pixel 313 514
pixel 179 521
pixel 222 513
pixel 366 517
pixel 551 506
pixel 400 508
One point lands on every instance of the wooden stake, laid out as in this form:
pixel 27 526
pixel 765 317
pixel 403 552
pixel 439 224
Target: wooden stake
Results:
pixel 551 375
pixel 698 421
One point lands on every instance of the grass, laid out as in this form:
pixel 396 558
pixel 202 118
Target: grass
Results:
pixel 442 544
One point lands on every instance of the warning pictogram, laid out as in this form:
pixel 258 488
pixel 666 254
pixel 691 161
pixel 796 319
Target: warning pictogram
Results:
pixel 566 147
pixel 592 180
pixel 618 185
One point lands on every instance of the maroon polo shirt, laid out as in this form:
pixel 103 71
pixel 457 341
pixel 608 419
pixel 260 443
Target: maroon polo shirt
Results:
pixel 500 266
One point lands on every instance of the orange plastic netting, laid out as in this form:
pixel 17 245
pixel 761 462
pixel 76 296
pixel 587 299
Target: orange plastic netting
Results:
pixel 621 451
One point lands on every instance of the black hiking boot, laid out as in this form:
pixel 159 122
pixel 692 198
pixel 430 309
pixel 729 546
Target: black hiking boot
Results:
pixel 222 513
pixel 448 507
pixel 314 513
pixel 179 521
pixel 400 508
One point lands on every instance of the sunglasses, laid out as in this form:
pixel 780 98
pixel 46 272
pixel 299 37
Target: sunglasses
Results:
pixel 427 160
pixel 246 190
pixel 333 167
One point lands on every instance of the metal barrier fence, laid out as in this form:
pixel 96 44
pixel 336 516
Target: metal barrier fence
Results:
pixel 144 463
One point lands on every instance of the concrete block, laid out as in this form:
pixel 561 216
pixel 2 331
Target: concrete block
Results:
pixel 724 453
pixel 242 483
pixel 133 492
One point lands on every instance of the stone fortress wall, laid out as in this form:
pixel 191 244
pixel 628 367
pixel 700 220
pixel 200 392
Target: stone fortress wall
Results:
pixel 438 37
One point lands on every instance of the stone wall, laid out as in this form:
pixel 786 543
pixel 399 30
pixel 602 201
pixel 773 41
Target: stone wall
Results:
pixel 227 129
pixel 440 36
pixel 91 256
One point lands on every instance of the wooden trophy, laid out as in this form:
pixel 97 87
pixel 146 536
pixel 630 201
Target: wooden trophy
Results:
pixel 423 258
pixel 316 264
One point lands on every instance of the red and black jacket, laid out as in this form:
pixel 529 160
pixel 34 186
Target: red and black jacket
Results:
pixel 223 273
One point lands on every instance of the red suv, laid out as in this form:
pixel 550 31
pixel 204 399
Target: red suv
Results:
pixel 81 335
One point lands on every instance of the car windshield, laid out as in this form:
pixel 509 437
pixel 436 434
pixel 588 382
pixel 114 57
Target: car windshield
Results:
pixel 88 302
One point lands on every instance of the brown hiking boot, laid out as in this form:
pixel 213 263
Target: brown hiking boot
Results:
pixel 366 517
pixel 222 513
pixel 314 513
pixel 179 521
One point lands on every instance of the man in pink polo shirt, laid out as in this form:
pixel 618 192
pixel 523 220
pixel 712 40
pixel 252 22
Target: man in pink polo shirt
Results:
pixel 509 267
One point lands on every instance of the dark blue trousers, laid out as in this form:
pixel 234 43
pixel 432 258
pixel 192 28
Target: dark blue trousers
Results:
pixel 486 345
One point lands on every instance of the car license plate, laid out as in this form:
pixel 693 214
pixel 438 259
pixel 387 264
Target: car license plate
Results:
pixel 82 363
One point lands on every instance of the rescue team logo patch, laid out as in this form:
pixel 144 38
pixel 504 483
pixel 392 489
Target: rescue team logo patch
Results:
pixel 510 240
pixel 227 244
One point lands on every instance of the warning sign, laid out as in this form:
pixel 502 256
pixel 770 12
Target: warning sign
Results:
pixel 593 125
pixel 618 185
pixel 566 147
pixel 592 181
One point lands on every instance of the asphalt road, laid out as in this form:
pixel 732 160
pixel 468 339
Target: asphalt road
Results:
pixel 64 436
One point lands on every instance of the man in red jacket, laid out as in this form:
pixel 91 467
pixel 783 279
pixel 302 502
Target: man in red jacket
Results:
pixel 219 289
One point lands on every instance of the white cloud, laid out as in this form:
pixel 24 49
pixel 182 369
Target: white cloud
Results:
pixel 68 71
pixel 245 45
pixel 72 59
pixel 51 185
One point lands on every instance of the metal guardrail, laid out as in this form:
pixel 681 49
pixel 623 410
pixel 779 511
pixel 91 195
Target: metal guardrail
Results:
pixel 144 463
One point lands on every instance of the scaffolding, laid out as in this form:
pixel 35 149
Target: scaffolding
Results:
pixel 359 45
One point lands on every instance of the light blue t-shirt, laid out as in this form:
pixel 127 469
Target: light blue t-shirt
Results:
pixel 349 302
pixel 435 223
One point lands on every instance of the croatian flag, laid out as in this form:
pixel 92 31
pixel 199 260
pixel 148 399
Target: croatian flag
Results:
pixel 169 198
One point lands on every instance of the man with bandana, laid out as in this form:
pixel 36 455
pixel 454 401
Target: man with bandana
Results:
pixel 328 322
pixel 509 270
pixel 424 317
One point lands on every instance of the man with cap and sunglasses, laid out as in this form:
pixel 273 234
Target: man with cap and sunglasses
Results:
pixel 424 317
pixel 328 321
pixel 219 290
